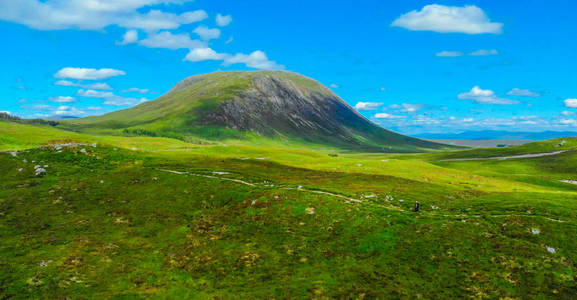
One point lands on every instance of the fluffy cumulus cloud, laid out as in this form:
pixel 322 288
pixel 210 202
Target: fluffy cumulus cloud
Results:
pixel 255 60
pixel 206 33
pixel 223 21
pixel 571 103
pixel 368 105
pixel 88 74
pixel 203 54
pixel 485 97
pixel 92 86
pixel 449 19
pixel 387 116
pixel 94 14
pixel 168 40
pixel 334 86
pixel 130 37
pixel 158 20
pixel 523 93
pixel 110 98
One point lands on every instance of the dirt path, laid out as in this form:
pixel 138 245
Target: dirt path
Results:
pixel 300 188
pixel 350 199
pixel 534 155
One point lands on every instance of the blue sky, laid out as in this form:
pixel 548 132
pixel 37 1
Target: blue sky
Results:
pixel 411 66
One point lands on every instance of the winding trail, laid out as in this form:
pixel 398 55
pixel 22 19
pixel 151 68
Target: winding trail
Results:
pixel 209 176
pixel 350 199
pixel 534 155
pixel 300 188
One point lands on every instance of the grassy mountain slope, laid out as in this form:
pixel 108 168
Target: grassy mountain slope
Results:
pixel 282 106
pixel 255 222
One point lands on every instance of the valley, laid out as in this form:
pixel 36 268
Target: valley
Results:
pixel 146 217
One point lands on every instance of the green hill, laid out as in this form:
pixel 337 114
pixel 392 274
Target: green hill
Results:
pixel 229 221
pixel 281 106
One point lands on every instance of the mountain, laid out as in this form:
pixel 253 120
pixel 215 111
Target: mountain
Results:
pixel 278 105
pixel 498 135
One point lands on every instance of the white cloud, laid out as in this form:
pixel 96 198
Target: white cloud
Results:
pixel 368 105
pixel 94 94
pixel 425 120
pixel 111 98
pixel 485 97
pixel 59 111
pixel 411 108
pixel 130 37
pixel 206 33
pixel 571 103
pixel 5 112
pixel 484 52
pixel 387 116
pixel 88 74
pixel 448 19
pixel 334 86
pixel 94 14
pixel 65 83
pixel 203 54
pixel 523 93
pixel 449 54
pixel 168 40
pixel 223 21
pixel 135 90
pixel 572 122
pixel 480 52
pixel 92 86
pixel 62 99
pixel 158 20
pixel 98 86
pixel 568 113
pixel 255 60
pixel 123 101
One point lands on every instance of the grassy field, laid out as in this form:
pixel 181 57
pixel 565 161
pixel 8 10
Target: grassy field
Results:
pixel 152 217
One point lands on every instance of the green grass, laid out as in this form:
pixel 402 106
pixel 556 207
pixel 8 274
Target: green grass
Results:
pixel 108 222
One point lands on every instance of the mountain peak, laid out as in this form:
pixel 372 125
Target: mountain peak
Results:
pixel 272 104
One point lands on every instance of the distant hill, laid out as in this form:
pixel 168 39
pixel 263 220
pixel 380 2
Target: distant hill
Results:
pixel 277 105
pixel 498 135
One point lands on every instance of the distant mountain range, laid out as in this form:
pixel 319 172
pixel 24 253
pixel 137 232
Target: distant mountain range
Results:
pixel 498 135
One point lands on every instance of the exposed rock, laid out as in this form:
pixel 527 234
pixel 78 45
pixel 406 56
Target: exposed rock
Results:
pixel 39 171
